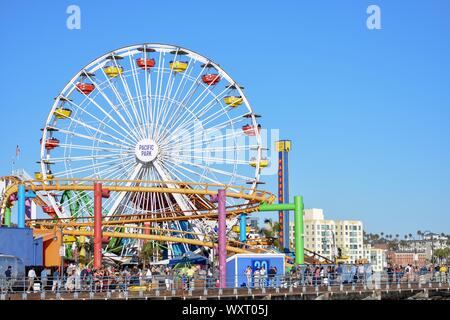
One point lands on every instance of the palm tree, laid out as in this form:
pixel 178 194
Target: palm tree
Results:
pixel 419 233
pixel 271 231
pixel 382 234
pixel 149 249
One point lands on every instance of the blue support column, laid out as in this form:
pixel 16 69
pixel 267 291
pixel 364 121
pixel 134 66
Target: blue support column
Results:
pixel 21 206
pixel 243 228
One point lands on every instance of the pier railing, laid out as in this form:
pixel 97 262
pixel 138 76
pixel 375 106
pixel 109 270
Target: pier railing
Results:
pixel 90 286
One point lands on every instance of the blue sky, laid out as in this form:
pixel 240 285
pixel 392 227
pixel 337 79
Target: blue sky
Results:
pixel 368 110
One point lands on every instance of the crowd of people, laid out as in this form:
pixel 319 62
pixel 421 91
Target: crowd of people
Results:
pixel 345 274
pixel 410 273
pixel 78 278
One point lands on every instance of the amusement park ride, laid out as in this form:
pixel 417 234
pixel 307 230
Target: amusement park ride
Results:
pixel 148 142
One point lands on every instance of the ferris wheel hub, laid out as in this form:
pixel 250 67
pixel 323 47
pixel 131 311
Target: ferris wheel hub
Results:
pixel 146 150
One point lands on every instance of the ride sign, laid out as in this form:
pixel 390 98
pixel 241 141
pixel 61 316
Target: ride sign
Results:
pixel 146 150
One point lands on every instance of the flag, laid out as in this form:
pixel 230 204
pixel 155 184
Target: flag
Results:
pixel 17 151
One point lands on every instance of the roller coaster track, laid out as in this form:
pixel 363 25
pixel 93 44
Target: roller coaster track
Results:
pixel 254 199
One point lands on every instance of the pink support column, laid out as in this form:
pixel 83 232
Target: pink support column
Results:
pixel 221 195
pixel 146 231
pixel 97 225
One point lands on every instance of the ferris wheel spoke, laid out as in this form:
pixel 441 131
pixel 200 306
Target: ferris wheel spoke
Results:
pixel 169 106
pixel 113 107
pixel 167 169
pixel 103 133
pixel 84 111
pixel 138 121
pixel 177 166
pixel 137 87
pixel 210 160
pixel 169 84
pixel 188 95
pixel 200 140
pixel 131 122
pixel 182 200
pixel 202 96
pixel 89 157
pixel 79 135
pixel 115 172
pixel 183 124
pixel 109 166
pixel 119 199
pixel 183 118
pixel 219 126
pixel 234 149
pixel 89 148
pixel 158 89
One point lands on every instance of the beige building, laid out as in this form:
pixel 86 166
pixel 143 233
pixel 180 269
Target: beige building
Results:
pixel 325 237
pixel 378 259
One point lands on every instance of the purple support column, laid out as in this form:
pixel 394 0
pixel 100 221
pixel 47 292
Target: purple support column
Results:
pixel 222 239
pixel 28 209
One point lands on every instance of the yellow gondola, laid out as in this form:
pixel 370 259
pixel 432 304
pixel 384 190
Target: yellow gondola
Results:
pixel 233 101
pixel 69 239
pixel 62 113
pixel 262 164
pixel 38 176
pixel 113 71
pixel 178 66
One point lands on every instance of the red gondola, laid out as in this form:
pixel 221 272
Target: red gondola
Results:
pixel 106 193
pixel 50 211
pixel 210 79
pixel 250 130
pixel 145 64
pixel 51 143
pixel 105 240
pixel 85 88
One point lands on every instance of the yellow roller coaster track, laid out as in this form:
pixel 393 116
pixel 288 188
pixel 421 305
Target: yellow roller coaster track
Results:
pixel 254 197
pixel 71 227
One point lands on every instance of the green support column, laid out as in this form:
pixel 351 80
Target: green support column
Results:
pixel 297 206
pixel 298 223
pixel 8 217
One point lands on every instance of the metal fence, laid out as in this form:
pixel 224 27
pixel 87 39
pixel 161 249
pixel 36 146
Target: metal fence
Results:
pixel 175 283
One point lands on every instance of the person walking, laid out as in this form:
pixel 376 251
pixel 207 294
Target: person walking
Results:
pixel 308 276
pixel 361 273
pixel 9 281
pixel 44 279
pixel 443 272
pixel 31 277
pixel 248 275
pixel 272 274
pixel 263 276
pixel 148 276
pixel 256 277
pixel 56 285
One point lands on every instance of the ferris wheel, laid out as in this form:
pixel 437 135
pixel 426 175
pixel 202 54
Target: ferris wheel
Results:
pixel 154 113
